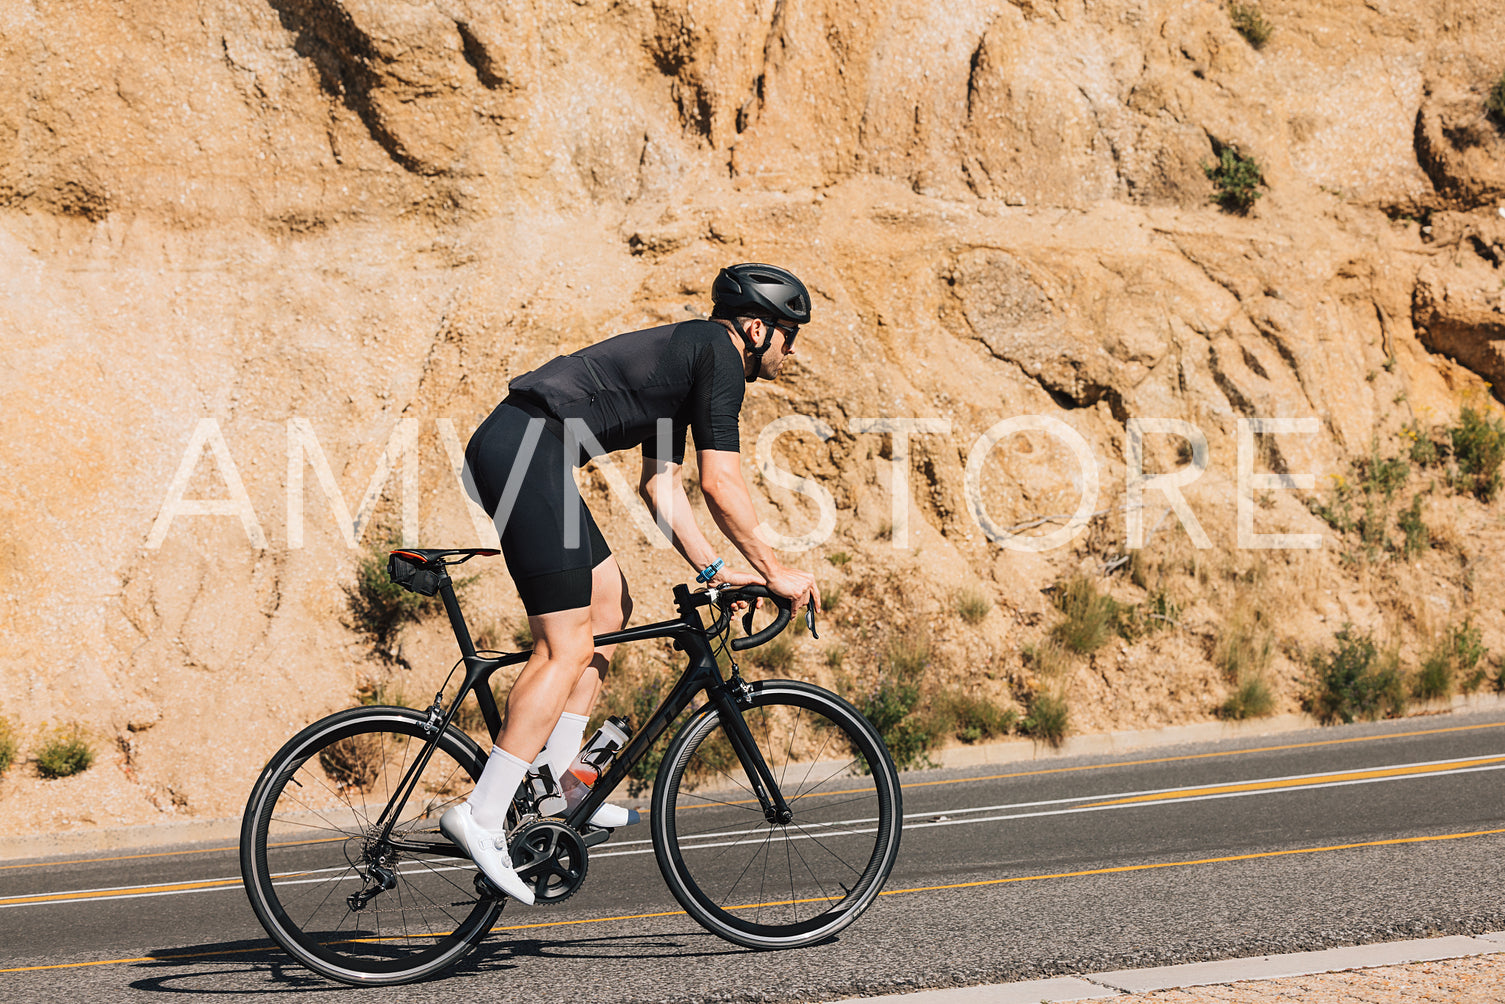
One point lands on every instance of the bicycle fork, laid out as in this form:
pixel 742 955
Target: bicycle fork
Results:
pixel 764 784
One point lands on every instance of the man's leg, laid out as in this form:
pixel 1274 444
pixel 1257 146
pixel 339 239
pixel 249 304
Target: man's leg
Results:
pixel 611 605
pixel 562 649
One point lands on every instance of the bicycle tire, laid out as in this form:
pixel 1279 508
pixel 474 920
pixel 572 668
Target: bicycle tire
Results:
pixel 308 827
pixel 819 872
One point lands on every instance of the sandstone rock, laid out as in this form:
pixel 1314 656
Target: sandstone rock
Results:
pixel 340 226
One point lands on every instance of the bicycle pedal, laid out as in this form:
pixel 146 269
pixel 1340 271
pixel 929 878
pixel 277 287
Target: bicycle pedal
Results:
pixel 594 835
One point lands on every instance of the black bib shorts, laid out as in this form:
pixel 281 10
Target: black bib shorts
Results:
pixel 522 447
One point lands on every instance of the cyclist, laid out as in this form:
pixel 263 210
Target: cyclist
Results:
pixel 644 388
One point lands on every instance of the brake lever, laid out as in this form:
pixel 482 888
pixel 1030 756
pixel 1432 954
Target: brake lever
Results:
pixel 810 620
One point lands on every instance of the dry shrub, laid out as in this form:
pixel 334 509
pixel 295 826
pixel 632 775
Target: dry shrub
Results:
pixel 970 717
pixel 973 605
pixel 64 752
pixel 1242 653
pixel 1048 717
pixel 1089 618
pixel 8 744
pixel 353 762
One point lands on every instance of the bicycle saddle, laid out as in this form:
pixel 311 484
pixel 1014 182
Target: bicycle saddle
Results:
pixel 435 556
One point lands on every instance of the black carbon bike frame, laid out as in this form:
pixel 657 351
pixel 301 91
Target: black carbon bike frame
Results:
pixel 690 635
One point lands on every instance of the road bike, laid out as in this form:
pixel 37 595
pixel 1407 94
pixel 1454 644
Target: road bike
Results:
pixel 775 815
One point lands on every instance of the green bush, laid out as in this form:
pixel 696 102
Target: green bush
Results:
pixel 971 718
pixel 1455 661
pixel 973 606
pixel 908 654
pixel 1478 443
pixel 1237 179
pixel 8 744
pixel 1417 537
pixel 1435 677
pixel 1251 698
pixel 522 635
pixel 1089 619
pixel 1155 614
pixel 1355 680
pixel 1495 103
pixel 380 607
pixel 1048 659
pixel 1361 502
pixel 1047 719
pixel 777 656
pixel 890 706
pixel 1243 652
pixel 830 598
pixel 384 692
pixel 839 558
pixel 64 752
pixel 1250 23
pixel 1423 450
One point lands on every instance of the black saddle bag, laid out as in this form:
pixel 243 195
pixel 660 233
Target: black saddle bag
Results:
pixel 412 576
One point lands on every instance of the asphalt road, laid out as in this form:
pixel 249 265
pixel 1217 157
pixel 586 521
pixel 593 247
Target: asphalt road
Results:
pixel 1307 840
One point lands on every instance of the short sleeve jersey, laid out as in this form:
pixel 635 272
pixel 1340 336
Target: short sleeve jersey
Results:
pixel 645 388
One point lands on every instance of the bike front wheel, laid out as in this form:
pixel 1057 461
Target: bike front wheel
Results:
pixel 766 884
pixel 340 898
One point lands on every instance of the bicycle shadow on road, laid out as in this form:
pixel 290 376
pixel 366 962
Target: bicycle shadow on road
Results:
pixel 260 967
pixel 259 961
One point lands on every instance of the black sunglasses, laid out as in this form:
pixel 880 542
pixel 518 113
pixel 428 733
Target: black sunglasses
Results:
pixel 789 334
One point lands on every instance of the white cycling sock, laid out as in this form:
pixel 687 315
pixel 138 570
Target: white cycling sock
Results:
pixel 494 791
pixel 563 745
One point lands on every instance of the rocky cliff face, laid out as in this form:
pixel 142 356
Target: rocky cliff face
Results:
pixel 239 241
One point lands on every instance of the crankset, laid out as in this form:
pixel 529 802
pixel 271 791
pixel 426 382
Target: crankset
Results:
pixel 550 856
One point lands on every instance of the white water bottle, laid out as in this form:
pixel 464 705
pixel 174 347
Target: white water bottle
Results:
pixel 594 760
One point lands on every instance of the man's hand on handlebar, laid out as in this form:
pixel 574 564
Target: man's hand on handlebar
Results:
pixel 732 577
pixel 795 585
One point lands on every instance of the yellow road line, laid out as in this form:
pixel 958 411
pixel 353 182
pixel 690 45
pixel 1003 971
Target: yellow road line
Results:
pixel 168 854
pixel 1298 782
pixel 912 784
pixel 139 890
pixel 1116 870
pixel 1275 784
pixel 1140 763
pixel 1200 861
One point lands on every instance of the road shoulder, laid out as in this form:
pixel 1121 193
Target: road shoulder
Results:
pixel 1250 979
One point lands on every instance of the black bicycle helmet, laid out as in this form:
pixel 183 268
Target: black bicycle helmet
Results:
pixel 751 288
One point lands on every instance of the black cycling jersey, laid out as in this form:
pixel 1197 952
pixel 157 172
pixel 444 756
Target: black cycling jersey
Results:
pixel 688 372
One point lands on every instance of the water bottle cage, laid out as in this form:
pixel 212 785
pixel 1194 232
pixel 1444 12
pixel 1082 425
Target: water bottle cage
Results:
pixel 601 758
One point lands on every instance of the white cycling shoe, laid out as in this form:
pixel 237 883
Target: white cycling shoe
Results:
pixel 488 850
pixel 614 815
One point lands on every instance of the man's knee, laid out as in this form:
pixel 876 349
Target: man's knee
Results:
pixel 626 602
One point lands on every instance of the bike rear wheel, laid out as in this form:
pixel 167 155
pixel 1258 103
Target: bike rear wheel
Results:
pixel 310 849
pixel 764 884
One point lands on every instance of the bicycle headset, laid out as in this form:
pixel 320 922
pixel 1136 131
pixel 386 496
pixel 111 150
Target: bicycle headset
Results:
pixel 754 289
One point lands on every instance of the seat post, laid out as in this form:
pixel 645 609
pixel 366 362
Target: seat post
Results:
pixel 456 618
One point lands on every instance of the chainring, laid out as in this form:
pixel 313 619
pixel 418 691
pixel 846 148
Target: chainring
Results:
pixel 551 857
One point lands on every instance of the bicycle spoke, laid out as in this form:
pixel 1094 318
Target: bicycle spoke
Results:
pixel 418 916
pixel 819 843
pixel 747 867
pixel 837 849
pixel 815 878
